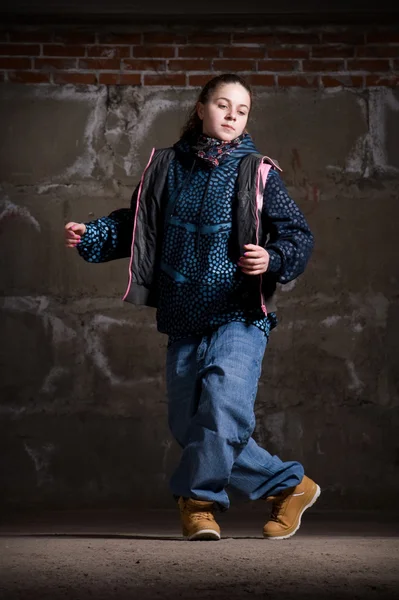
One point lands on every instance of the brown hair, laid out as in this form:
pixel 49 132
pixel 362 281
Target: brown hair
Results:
pixel 193 122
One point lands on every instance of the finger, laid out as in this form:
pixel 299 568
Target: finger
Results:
pixel 247 262
pixel 252 260
pixel 254 256
pixel 254 267
pixel 79 228
pixel 255 252
pixel 73 237
pixel 71 225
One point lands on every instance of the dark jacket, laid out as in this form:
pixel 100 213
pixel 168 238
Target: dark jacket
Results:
pixel 148 205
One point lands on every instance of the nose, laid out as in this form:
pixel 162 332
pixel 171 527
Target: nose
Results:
pixel 231 115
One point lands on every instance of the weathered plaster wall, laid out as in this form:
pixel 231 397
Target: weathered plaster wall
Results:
pixel 83 407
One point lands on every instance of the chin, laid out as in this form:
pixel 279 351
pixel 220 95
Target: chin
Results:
pixel 222 134
pixel 227 136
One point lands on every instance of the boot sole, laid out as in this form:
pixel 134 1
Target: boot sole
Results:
pixel 288 535
pixel 204 534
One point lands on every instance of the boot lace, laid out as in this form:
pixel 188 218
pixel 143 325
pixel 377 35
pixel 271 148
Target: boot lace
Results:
pixel 277 507
pixel 199 516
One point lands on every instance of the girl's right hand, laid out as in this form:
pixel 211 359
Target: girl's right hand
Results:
pixel 73 233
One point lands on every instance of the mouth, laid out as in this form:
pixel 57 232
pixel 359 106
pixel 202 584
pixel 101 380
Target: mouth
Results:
pixel 228 127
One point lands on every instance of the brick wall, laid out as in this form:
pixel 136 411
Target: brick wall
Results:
pixel 278 58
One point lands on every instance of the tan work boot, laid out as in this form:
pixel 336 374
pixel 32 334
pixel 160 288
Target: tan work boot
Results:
pixel 288 508
pixel 197 520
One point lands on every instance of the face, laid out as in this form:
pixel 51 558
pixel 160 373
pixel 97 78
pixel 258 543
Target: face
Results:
pixel 225 115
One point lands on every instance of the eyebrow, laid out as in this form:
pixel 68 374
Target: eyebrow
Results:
pixel 227 100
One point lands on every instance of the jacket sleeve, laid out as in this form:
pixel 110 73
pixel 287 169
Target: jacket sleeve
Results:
pixel 109 238
pixel 290 242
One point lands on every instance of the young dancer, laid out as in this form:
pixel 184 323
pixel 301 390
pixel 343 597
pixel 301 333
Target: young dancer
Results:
pixel 207 254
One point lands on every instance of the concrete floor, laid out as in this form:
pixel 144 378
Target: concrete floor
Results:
pixel 121 555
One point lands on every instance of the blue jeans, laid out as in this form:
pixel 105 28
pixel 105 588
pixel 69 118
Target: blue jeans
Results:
pixel 212 382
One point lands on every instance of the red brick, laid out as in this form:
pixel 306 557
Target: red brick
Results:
pixel 253 38
pixel 164 38
pixel 190 65
pixel 15 63
pixel 296 38
pixel 383 80
pixel 19 50
pixel 198 52
pixel 278 39
pixel 277 65
pixel 55 63
pixel 230 66
pixel 288 52
pixel 178 79
pixel 30 36
pixel 84 78
pixel 209 38
pixel 244 52
pixel 345 80
pixel 119 38
pixel 108 78
pixel 74 37
pixel 154 51
pixel 259 79
pixel 323 65
pixel 130 79
pixel 144 64
pixel 199 80
pixel 63 50
pixel 28 77
pixel 377 51
pixel 343 37
pixel 333 51
pixel 297 81
pixel 368 65
pixel 103 64
pixel 383 37
pixel 109 51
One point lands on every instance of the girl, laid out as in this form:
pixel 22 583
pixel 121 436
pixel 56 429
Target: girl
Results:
pixel 209 260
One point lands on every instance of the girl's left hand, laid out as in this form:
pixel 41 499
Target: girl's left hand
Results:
pixel 255 260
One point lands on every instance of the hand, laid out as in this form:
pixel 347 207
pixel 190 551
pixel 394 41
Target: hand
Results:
pixel 255 260
pixel 73 234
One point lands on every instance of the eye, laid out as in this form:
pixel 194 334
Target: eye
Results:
pixel 242 113
pixel 222 106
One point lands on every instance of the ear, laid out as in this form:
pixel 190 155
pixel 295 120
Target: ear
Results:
pixel 200 110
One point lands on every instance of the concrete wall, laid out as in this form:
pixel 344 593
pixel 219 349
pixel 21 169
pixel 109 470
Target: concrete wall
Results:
pixel 83 407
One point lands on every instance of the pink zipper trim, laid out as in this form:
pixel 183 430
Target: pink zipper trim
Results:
pixel 273 163
pixel 262 169
pixel 135 223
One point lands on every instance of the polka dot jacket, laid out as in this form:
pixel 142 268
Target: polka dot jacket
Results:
pixel 198 280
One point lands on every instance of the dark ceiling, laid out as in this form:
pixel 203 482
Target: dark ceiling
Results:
pixel 175 10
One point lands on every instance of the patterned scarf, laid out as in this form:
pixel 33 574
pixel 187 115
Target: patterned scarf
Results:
pixel 212 150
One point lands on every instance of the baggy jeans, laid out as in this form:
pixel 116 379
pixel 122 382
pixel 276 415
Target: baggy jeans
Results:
pixel 212 382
